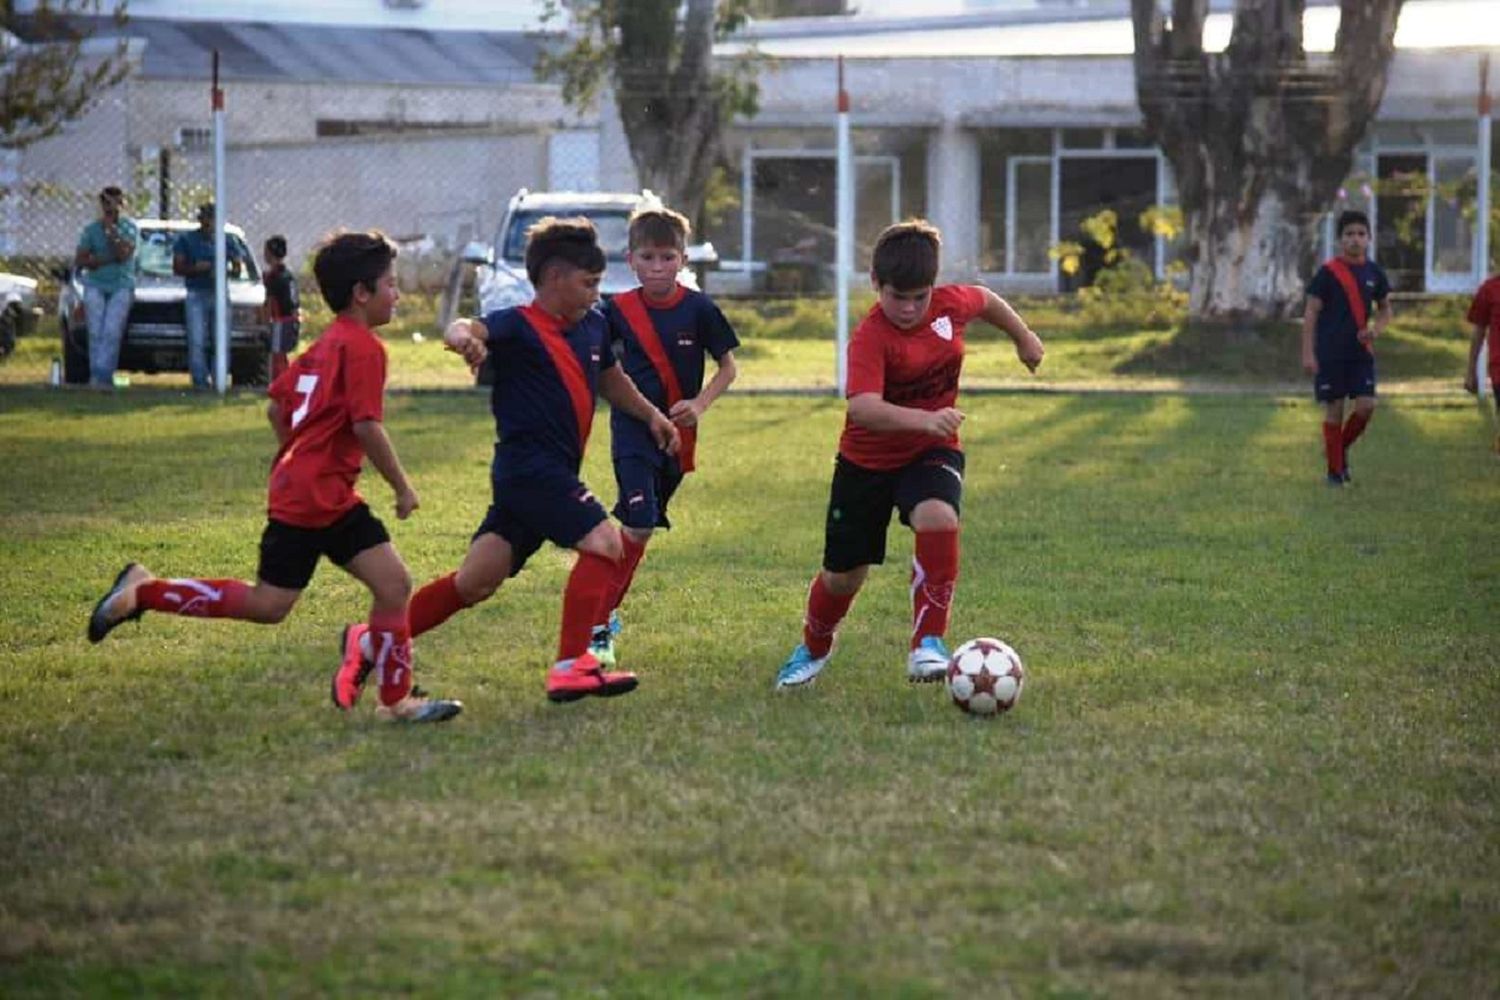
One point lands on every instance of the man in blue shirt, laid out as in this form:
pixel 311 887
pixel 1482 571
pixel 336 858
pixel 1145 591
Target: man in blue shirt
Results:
pixel 106 255
pixel 193 260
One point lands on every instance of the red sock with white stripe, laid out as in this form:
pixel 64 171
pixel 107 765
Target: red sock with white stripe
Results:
pixel 590 585
pixel 934 574
pixel 825 610
pixel 390 650
pixel 194 598
pixel 634 552
pixel 1333 447
pixel 434 604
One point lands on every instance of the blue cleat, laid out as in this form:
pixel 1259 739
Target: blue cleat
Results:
pixel 799 669
pixel 928 662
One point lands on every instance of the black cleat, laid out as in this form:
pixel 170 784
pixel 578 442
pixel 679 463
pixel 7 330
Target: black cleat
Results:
pixel 101 623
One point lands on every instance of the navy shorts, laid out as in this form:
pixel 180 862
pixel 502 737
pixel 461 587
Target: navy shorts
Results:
pixel 646 487
pixel 1345 378
pixel 289 554
pixel 543 507
pixel 861 500
pixel 284 335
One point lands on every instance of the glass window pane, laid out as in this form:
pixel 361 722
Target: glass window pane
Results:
pixel 1033 232
pixel 1453 206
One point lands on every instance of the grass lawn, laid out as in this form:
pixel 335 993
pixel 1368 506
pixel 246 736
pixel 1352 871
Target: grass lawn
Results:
pixel 1257 753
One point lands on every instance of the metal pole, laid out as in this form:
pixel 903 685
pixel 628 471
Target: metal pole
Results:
pixel 845 249
pixel 1482 223
pixel 221 212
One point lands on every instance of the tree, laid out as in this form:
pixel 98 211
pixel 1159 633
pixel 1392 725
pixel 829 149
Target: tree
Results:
pixel 657 55
pixel 45 83
pixel 1259 137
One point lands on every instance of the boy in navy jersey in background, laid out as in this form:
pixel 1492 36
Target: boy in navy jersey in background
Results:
pixel 550 358
pixel 283 305
pixel 661 333
pixel 1338 339
pixel 900 448
pixel 327 410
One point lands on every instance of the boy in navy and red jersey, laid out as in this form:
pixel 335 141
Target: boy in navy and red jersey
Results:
pixel 1484 315
pixel 661 333
pixel 1338 339
pixel 282 309
pixel 900 448
pixel 327 411
pixel 550 358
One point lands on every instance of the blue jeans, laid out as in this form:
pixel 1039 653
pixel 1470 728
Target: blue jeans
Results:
pixel 198 313
pixel 106 314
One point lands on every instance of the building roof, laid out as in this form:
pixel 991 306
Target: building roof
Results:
pixel 1424 24
pixel 258 50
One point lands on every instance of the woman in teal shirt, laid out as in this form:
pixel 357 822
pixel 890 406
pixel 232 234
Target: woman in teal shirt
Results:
pixel 106 254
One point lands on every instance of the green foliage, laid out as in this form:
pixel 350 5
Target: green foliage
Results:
pixel 1125 292
pixel 46 83
pixel 1221 781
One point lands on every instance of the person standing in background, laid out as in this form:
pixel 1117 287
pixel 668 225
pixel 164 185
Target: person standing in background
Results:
pixel 106 255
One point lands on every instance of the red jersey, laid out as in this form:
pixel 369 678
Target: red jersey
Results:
pixel 333 385
pixel 1485 311
pixel 916 368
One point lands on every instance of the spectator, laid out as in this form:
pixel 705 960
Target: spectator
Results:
pixel 282 308
pixel 106 252
pixel 193 259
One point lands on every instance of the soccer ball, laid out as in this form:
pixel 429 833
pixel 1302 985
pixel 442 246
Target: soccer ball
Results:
pixel 985 677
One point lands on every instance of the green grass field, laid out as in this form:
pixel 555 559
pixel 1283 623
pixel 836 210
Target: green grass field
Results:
pixel 1256 756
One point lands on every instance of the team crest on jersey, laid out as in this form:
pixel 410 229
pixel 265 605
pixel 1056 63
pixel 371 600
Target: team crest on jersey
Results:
pixel 943 327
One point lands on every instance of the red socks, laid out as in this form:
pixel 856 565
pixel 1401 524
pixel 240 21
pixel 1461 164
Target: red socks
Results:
pixel 390 650
pixel 934 572
pixel 824 612
pixel 1354 427
pixel 634 552
pixel 434 604
pixel 592 583
pixel 194 598
pixel 1333 447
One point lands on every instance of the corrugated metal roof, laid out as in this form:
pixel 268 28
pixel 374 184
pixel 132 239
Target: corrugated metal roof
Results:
pixel 252 50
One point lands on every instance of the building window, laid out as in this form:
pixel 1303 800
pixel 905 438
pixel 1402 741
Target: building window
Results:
pixel 195 138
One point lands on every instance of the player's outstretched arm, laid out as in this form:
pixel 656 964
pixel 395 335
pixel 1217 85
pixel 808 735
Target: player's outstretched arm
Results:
pixel 687 412
pixel 622 394
pixel 382 455
pixel 998 313
pixel 468 338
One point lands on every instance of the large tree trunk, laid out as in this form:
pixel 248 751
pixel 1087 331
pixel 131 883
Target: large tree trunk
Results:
pixel 1259 138
pixel 670 107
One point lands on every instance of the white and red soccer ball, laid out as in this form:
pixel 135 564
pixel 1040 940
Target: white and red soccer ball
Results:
pixel 985 677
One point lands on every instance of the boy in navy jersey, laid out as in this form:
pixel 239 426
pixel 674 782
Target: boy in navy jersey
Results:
pixel 900 448
pixel 661 333
pixel 1338 339
pixel 550 358
pixel 283 307
pixel 327 411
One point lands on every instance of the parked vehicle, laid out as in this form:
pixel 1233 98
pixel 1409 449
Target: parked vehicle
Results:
pixel 156 333
pixel 501 275
pixel 19 311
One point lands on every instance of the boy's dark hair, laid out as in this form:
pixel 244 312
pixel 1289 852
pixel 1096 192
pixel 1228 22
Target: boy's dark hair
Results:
pixel 906 255
pixel 658 226
pixel 112 193
pixel 276 247
pixel 1353 217
pixel 551 240
pixel 345 259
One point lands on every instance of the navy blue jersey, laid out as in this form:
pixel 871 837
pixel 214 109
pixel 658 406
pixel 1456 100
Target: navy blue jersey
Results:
pixel 1337 335
pixel 541 407
pixel 690 329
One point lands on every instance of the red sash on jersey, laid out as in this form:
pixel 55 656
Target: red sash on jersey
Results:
pixel 632 305
pixel 1345 277
pixel 549 332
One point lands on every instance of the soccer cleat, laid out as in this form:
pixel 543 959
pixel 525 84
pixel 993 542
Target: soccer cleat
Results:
pixel 1335 479
pixel 104 617
pixel 602 645
pixel 928 662
pixel 1346 476
pixel 353 668
pixel 800 668
pixel 584 677
pixel 419 706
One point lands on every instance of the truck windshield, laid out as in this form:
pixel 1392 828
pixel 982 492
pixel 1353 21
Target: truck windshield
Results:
pixel 154 258
pixel 611 223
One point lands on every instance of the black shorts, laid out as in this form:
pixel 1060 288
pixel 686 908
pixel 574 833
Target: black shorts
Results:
pixel 646 487
pixel 544 507
pixel 1345 378
pixel 289 554
pixel 861 500
pixel 284 334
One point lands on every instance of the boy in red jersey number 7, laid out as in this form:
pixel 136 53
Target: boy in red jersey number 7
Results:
pixel 327 410
pixel 900 448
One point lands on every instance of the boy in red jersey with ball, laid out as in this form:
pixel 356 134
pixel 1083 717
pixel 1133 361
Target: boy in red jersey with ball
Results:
pixel 900 448
pixel 327 410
